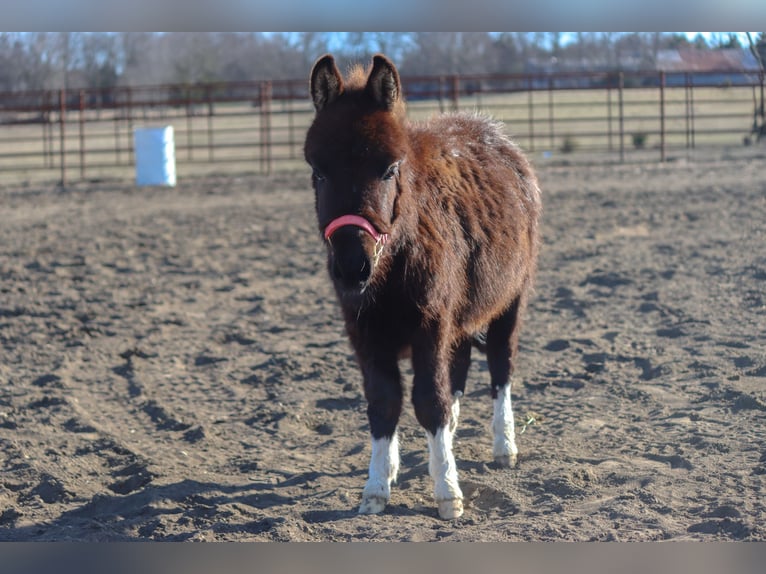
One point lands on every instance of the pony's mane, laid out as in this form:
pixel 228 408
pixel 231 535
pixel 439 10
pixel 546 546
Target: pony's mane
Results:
pixel 356 76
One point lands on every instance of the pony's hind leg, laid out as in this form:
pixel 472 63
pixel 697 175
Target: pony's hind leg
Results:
pixel 504 446
pixel 461 361
pixel 502 345
pixel 384 405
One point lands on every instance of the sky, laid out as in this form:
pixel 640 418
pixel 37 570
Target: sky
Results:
pixel 392 15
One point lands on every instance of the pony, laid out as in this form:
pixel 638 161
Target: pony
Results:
pixel 431 232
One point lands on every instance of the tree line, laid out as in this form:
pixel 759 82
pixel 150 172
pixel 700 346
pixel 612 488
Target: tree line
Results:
pixel 54 60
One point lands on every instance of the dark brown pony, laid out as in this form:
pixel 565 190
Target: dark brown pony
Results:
pixel 432 241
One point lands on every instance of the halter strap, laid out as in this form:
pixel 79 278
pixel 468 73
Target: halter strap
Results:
pixel 358 221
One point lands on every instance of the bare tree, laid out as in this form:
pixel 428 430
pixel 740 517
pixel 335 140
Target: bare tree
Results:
pixel 73 60
pixel 430 53
pixel 506 57
pixel 137 54
pixel 99 59
pixel 311 45
pixel 9 71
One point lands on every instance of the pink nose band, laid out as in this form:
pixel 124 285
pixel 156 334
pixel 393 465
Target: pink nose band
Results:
pixel 358 221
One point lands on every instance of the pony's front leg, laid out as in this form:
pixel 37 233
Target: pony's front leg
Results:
pixel 437 411
pixel 443 470
pixel 384 466
pixel 384 404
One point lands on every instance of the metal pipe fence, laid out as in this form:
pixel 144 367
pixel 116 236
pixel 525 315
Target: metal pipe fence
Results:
pixel 259 126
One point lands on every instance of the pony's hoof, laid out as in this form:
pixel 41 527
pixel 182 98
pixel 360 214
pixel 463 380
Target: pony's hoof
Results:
pixel 451 509
pixel 506 460
pixel 372 505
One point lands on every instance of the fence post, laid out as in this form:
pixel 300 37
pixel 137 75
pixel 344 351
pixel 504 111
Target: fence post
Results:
pixel 621 89
pixel 551 131
pixel 266 127
pixel 210 122
pixel 455 92
pixel 689 111
pixel 46 109
pixel 441 94
pixel 662 116
pixel 531 107
pixel 691 107
pixel 62 123
pixel 82 134
pixel 609 113
pixel 116 119
pixel 130 126
pixel 291 128
pixel 189 127
pixel 762 131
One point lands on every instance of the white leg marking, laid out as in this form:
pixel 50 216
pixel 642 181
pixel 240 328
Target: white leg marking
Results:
pixel 504 448
pixel 384 466
pixel 443 470
pixel 455 411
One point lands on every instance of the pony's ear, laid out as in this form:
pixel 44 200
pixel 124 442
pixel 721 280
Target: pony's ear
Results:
pixel 383 84
pixel 326 82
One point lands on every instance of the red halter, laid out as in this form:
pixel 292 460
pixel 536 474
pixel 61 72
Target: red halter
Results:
pixel 358 221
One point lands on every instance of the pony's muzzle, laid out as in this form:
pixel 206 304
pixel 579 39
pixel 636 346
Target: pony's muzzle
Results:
pixel 350 265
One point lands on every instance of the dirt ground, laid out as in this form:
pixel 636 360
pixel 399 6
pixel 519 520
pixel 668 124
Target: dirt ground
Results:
pixel 173 367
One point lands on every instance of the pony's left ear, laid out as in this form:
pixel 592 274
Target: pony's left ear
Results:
pixel 383 82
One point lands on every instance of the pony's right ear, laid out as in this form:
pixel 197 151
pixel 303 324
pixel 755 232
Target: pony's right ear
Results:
pixel 326 82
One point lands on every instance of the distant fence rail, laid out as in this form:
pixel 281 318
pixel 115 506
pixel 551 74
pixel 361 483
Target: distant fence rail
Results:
pixel 260 126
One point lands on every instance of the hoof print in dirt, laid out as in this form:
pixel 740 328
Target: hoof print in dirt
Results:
pixel 162 419
pixel 557 345
pixel 130 479
pixel 9 516
pixel 194 434
pixel 49 381
pixel 206 360
pixel 50 490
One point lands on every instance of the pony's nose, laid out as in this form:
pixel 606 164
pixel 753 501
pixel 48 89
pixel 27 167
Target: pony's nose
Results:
pixel 350 265
pixel 351 272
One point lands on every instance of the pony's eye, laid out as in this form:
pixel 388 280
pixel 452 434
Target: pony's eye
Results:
pixel 392 171
pixel 317 175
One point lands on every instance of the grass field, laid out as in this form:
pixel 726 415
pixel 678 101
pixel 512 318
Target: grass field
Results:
pixel 240 137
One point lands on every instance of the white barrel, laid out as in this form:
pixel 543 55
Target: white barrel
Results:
pixel 155 153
